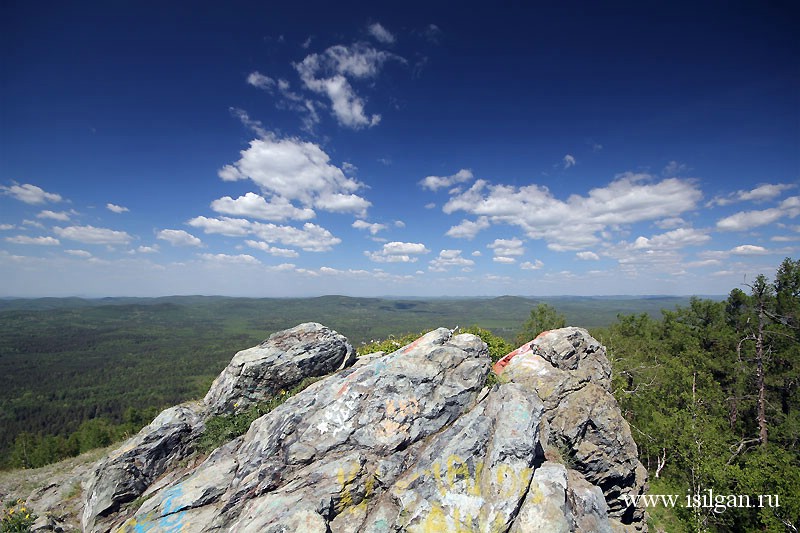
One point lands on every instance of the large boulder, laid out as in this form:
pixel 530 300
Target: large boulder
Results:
pixel 407 441
pixel 253 375
pixel 279 363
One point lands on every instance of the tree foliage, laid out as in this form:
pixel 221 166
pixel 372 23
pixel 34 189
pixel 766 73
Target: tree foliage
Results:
pixel 710 393
pixel 544 317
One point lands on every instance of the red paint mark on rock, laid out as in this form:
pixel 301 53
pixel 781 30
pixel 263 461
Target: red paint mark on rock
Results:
pixel 502 363
pixel 412 345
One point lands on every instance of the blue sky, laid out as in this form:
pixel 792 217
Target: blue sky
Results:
pixel 243 149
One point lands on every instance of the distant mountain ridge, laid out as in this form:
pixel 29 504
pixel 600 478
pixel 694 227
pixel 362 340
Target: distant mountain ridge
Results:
pixel 588 311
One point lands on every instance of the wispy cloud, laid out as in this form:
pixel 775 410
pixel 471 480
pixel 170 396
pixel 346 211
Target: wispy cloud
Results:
pixel 380 33
pixel 330 72
pixel 761 193
pixel 674 168
pixel 254 125
pixel 38 241
pixel 256 79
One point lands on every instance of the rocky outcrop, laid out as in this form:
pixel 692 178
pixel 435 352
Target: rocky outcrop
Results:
pixel 568 370
pixel 127 471
pixel 253 375
pixel 407 441
pixel 280 362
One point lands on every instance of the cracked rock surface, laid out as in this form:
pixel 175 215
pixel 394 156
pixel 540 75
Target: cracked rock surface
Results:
pixel 406 441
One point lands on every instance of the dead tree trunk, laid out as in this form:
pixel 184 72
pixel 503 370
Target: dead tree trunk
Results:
pixel 762 399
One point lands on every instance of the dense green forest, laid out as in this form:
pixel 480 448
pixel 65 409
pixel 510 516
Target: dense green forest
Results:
pixel 708 385
pixel 80 373
pixel 710 391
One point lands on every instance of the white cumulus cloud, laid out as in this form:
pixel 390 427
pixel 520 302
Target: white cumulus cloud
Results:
pixel 569 161
pixel 398 252
pixel 231 227
pixel 293 170
pixel 749 249
pixel 673 239
pixel 62 216
pixel 435 183
pixel 745 220
pixel 448 259
pixel 507 247
pixel 178 237
pixel 116 208
pixel 93 235
pixel 30 194
pixel 467 229
pixel 147 249
pixel 587 256
pixel 535 265
pixel 576 222
pixel 272 250
pixel 373 228
pixel 310 238
pixel 336 202
pixel 78 253
pixel 226 259
pixel 255 206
